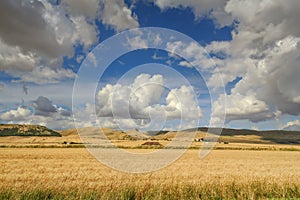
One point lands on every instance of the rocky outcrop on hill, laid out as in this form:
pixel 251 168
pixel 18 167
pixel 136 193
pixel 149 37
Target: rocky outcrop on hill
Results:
pixel 26 130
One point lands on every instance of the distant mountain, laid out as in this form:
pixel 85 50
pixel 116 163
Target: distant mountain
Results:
pixel 26 130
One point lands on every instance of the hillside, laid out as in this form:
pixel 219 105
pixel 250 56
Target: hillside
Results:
pixel 33 135
pixel 26 130
pixel 109 133
pixel 252 136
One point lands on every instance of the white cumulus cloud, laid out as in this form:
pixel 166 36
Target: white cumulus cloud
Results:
pixel 35 36
pixel 263 54
pixel 116 14
pixel 145 98
pixel 21 113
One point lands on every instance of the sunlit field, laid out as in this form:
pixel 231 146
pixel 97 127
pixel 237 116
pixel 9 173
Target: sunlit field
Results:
pixel 72 173
pixel 178 99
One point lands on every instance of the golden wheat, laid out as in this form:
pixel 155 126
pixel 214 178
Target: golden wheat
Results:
pixel 63 170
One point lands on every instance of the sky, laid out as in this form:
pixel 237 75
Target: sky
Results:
pixel 150 64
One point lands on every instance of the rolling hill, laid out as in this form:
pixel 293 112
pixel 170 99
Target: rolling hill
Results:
pixel 252 136
pixel 36 134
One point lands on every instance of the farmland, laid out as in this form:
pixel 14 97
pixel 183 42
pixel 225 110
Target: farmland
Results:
pixel 42 173
pixel 243 164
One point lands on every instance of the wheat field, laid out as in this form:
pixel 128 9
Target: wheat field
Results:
pixel 72 173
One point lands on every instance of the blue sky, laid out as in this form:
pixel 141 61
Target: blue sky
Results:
pixel 253 47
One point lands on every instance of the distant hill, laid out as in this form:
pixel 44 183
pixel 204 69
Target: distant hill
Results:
pixel 153 133
pixel 26 130
pixel 109 133
pixel 231 132
pixel 71 135
pixel 244 135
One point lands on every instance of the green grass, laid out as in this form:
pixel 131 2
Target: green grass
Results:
pixel 229 190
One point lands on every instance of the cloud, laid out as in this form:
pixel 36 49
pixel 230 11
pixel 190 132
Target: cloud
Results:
pixel 79 58
pixel 21 113
pixel 215 9
pixel 64 112
pixel 116 14
pixel 12 93
pixel 264 53
pixel 266 16
pixel 292 126
pixel 137 43
pixel 85 32
pixel 92 59
pixel 144 98
pixel 42 112
pixel 185 64
pixel 181 103
pixel 1 86
pixel 13 59
pixel 55 122
pixel 37 35
pixel 23 25
pixel 58 119
pixel 43 106
pixel 196 54
pixel 117 99
pixel 44 75
pixel 41 30
pixel 156 57
pixel 86 8
pixel 239 107
pixel 123 124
